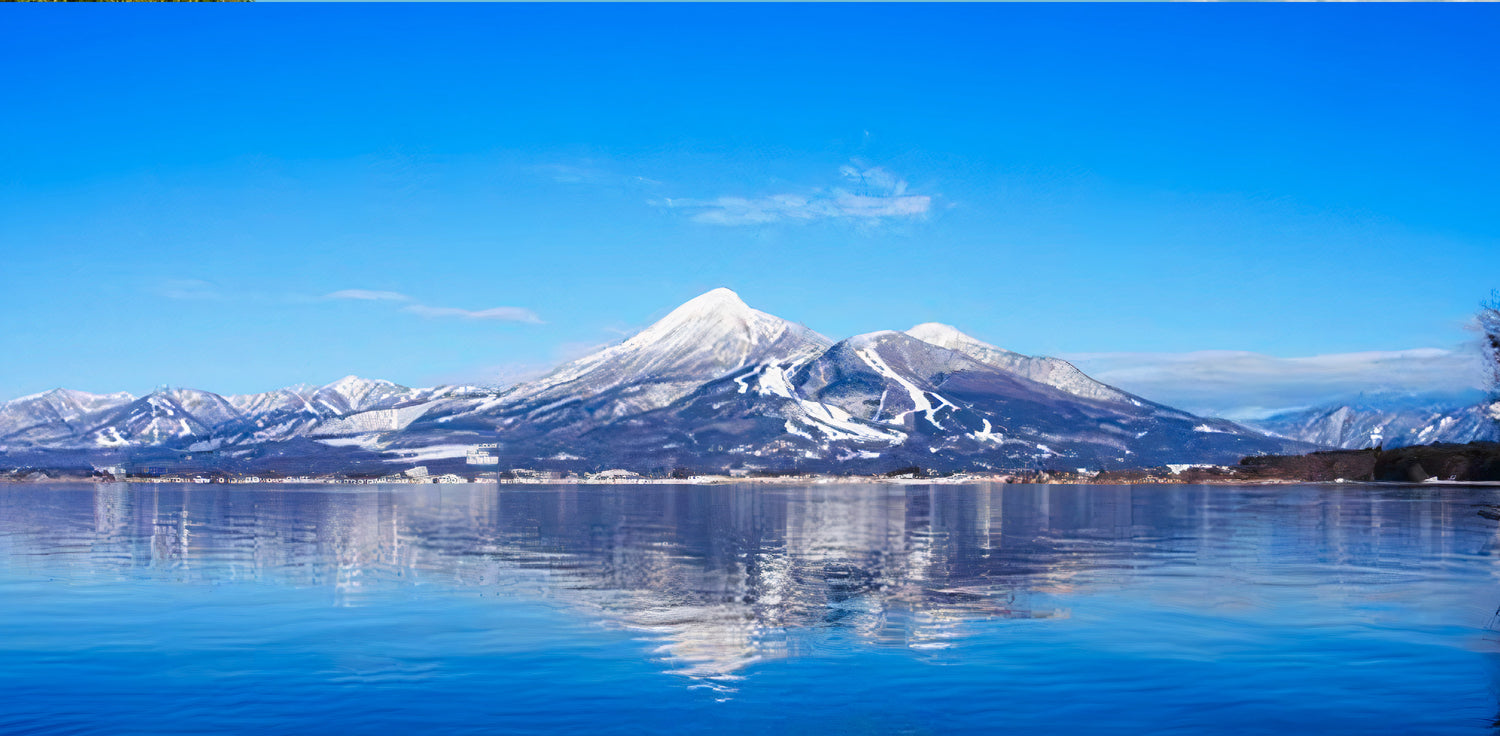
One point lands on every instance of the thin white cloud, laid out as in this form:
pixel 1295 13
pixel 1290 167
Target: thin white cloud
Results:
pixel 188 289
pixel 369 296
pixel 509 374
pixel 872 195
pixel 491 376
pixel 1247 385
pixel 593 173
pixel 204 290
pixel 584 173
pixel 501 314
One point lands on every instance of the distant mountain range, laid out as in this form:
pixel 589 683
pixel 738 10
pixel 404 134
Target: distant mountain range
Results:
pixel 1401 423
pixel 714 386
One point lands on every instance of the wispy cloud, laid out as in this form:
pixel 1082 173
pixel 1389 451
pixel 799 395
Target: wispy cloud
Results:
pixel 502 314
pixel 583 173
pixel 591 172
pixel 188 289
pixel 509 374
pixel 369 296
pixel 869 195
pixel 498 314
pixel 1246 385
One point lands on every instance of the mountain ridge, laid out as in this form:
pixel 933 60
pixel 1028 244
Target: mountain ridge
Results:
pixel 715 383
pixel 1353 425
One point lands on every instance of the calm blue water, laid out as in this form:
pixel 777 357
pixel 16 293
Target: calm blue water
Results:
pixel 138 609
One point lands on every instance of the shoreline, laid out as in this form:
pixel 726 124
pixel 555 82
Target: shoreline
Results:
pixel 795 481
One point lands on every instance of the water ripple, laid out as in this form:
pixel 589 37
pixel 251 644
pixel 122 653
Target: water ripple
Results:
pixel 137 608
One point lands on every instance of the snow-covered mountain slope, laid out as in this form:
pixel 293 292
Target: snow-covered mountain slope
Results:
pixel 352 393
pixel 887 400
pixel 945 396
pixel 277 415
pixel 53 415
pixel 164 416
pixel 1059 374
pixel 705 338
pixel 292 399
pixel 199 420
pixel 348 406
pixel 1350 426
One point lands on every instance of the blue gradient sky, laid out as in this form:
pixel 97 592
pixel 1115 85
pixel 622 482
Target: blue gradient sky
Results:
pixel 182 188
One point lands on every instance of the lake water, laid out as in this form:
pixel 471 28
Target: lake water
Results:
pixel 141 609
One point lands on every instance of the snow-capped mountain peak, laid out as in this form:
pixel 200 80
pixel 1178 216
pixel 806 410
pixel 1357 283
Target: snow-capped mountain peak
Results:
pixel 70 398
pixel 720 303
pixel 706 337
pixel 55 411
pixel 718 320
pixel 1054 372
pixel 353 385
pixel 948 336
pixel 289 399
pixel 70 403
pixel 352 393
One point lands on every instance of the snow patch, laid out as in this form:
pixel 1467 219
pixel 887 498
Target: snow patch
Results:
pixel 837 424
pixel 110 437
pixel 773 382
pixel 987 434
pixel 1177 468
pixel 379 420
pixel 792 428
pixel 919 399
pixel 366 442
pixel 431 452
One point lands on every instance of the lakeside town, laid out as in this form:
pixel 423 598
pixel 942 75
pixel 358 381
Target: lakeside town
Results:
pixel 420 475
pixel 1475 462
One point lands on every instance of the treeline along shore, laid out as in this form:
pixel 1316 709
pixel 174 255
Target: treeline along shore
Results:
pixel 1473 462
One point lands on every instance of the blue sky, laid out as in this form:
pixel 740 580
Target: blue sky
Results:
pixel 183 189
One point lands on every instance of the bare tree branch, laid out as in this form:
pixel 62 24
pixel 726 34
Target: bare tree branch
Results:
pixel 1489 324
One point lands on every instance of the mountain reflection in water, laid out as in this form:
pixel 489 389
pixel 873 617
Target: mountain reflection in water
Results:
pixel 723 581
pixel 718 574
